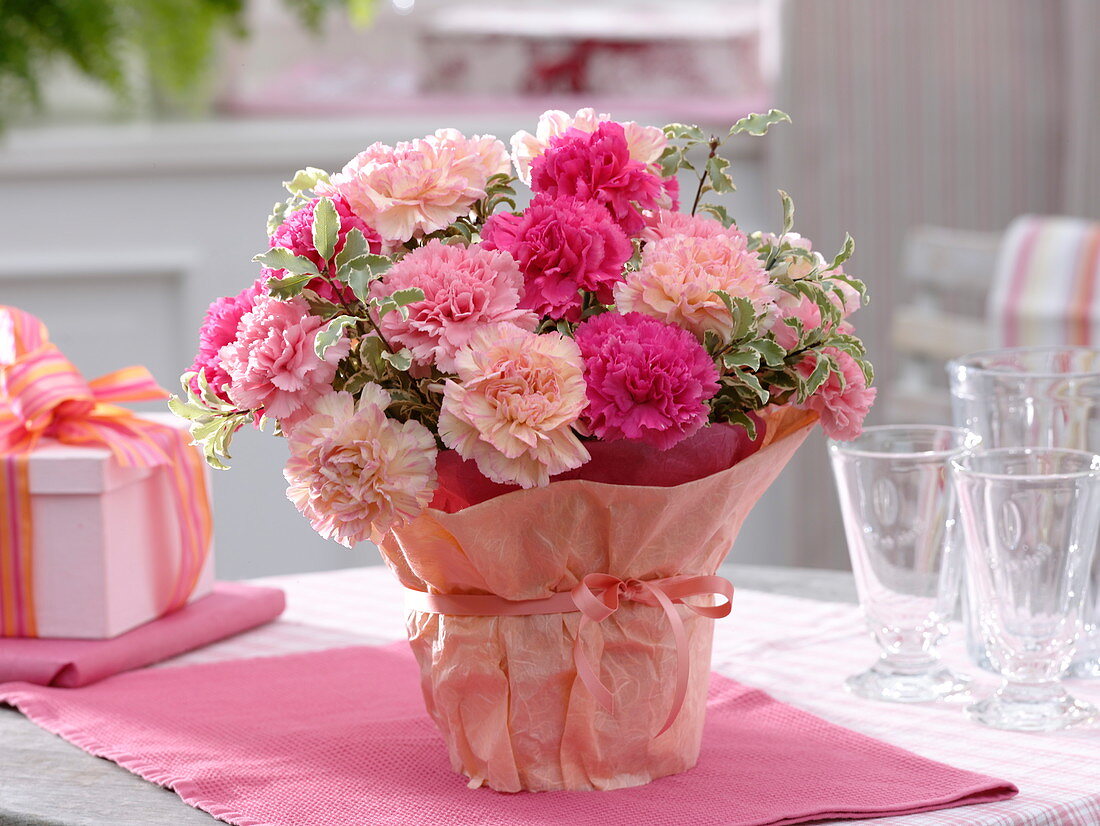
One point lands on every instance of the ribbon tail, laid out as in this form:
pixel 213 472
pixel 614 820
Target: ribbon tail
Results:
pixel 683 660
pixel 588 674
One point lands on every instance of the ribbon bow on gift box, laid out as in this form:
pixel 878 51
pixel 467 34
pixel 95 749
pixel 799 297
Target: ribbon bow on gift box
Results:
pixel 43 396
pixel 597 597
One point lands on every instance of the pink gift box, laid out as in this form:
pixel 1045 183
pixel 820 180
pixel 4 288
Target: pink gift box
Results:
pixel 107 541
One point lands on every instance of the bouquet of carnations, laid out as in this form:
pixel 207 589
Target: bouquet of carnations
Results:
pixel 551 419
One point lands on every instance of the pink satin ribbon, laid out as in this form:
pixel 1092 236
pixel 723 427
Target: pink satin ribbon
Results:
pixel 597 597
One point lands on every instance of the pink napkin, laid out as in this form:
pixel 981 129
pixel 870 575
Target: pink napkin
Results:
pixel 340 738
pixel 230 609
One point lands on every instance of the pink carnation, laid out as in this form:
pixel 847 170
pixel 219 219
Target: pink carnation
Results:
pixel 271 363
pixel 514 405
pixel 647 381
pixel 219 328
pixel 420 186
pixel 465 288
pixel 679 277
pixel 353 472
pixel 562 246
pixel 646 143
pixel 842 406
pixel 597 167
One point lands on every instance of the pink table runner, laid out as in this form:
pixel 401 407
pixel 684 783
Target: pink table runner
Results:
pixel 340 737
pixel 230 609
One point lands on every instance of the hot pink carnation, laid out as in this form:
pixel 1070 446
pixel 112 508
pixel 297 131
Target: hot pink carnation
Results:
pixel 296 232
pixel 596 166
pixel 841 406
pixel 271 363
pixel 513 407
pixel 465 288
pixel 562 246
pixel 353 472
pixel 219 328
pixel 646 380
pixel 646 143
pixel 420 186
pixel 680 274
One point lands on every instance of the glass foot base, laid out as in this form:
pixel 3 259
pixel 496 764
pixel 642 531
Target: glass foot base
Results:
pixel 1087 668
pixel 883 683
pixel 1041 715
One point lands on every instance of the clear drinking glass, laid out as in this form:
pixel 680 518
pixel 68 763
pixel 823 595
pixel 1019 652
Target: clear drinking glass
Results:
pixel 898 508
pixel 1031 517
pixel 1034 397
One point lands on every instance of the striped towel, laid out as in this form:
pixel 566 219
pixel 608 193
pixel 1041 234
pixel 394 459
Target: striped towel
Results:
pixel 1046 289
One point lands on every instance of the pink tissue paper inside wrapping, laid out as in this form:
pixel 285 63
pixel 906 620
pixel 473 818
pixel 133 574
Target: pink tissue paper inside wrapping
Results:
pixel 504 690
pixel 230 609
pixel 264 742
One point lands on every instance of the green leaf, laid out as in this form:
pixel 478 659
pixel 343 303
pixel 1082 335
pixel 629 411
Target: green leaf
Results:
pixel 743 358
pixel 719 178
pixel 289 285
pixel 305 180
pixel 771 352
pixel 326 228
pixel 845 253
pixel 329 335
pixel 277 216
pixel 712 341
pixel 401 360
pixel 788 211
pixel 685 131
pixel 409 296
pixel 719 212
pixel 670 161
pixel 280 258
pixel 355 246
pixel 370 353
pixel 742 419
pixel 819 375
pixel 758 124
pixel 741 311
pixel 360 280
pixel 750 381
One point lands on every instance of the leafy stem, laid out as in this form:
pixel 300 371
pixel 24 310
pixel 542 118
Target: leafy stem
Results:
pixel 715 142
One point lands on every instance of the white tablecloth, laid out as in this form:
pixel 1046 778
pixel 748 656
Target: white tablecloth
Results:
pixel 798 650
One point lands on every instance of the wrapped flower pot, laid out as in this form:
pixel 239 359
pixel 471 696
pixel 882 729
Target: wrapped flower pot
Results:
pixel 551 420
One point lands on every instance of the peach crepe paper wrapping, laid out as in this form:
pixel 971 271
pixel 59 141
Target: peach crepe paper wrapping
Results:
pixel 504 690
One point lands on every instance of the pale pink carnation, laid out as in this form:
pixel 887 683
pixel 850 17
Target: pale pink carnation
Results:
pixel 680 274
pixel 514 405
pixel 645 143
pixel 353 472
pixel 667 223
pixel 596 166
pixel 465 288
pixel 421 186
pixel 842 406
pixel 798 307
pixel 271 363
pixel 562 246
pixel 647 380
pixel 848 301
pixel 219 328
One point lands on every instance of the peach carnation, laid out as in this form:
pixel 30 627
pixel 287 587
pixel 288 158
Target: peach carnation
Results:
pixel 420 186
pixel 353 472
pixel 513 407
pixel 646 143
pixel 667 223
pixel 842 404
pixel 271 363
pixel 680 274
pixel 465 288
